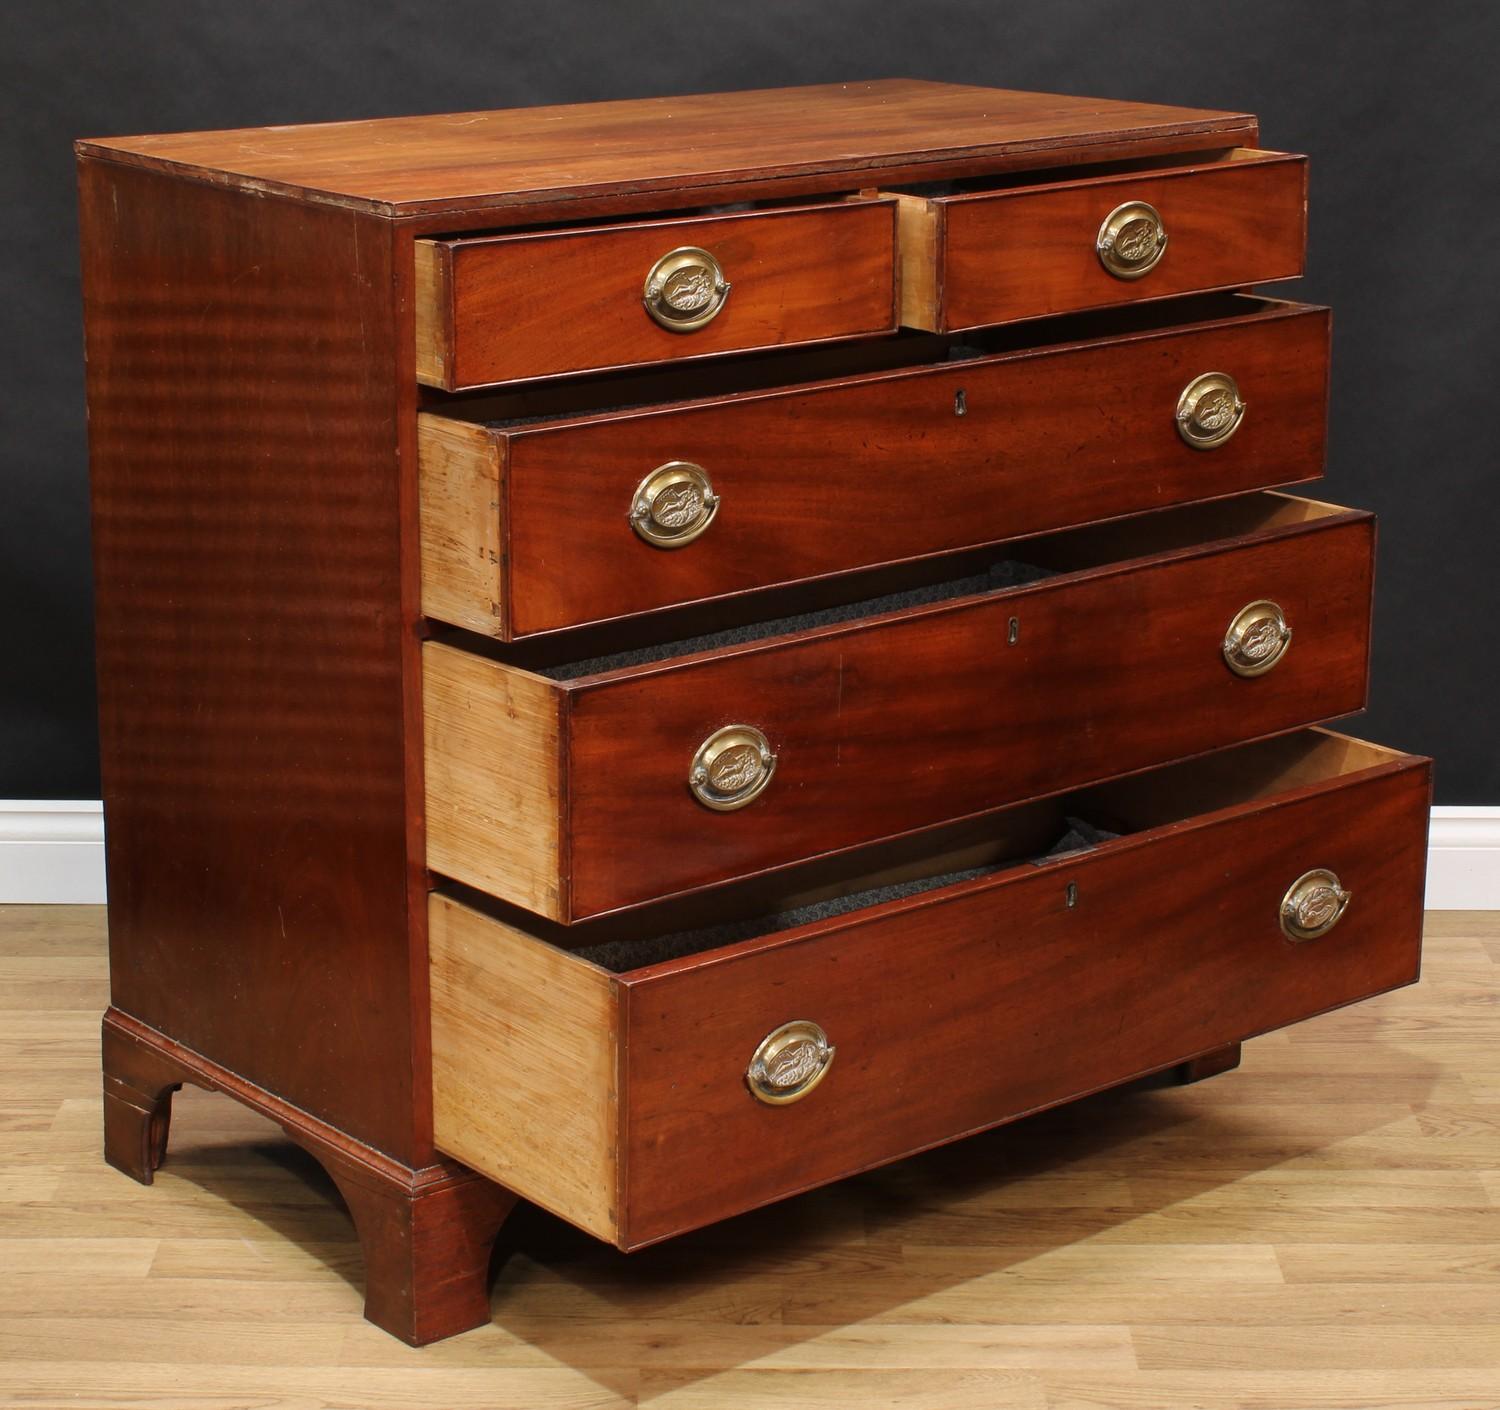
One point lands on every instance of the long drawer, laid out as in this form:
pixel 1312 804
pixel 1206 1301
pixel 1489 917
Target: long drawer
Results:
pixel 607 783
pixel 986 256
pixel 502 308
pixel 639 1102
pixel 532 525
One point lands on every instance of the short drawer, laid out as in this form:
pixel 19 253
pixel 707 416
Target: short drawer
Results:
pixel 533 522
pixel 593 785
pixel 504 308
pixel 1246 891
pixel 995 256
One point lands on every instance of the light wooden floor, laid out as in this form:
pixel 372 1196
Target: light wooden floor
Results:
pixel 1317 1231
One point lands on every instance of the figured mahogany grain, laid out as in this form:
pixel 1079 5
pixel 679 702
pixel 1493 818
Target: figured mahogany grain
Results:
pixel 901 722
pixel 846 133
pixel 1030 251
pixel 950 1010
pixel 862 470
pixel 930 716
pixel 972 1006
pixel 250 625
pixel 523 306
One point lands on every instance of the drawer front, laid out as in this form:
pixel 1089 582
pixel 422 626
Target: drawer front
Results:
pixel 931 715
pixel 512 307
pixel 986 1002
pixel 1028 252
pixel 833 477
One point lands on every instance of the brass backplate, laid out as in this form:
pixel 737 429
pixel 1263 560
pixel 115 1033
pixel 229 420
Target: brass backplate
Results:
pixel 685 289
pixel 674 504
pixel 731 768
pixel 1314 903
pixel 1132 240
pixel 789 1062
pixel 1210 410
pixel 1257 638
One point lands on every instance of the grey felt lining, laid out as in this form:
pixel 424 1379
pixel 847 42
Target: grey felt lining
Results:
pixel 621 955
pixel 1005 574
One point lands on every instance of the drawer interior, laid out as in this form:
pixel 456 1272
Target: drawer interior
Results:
pixel 746 917
pixel 1077 175
pixel 932 583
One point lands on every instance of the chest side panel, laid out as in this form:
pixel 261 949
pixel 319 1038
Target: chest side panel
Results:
pixel 242 379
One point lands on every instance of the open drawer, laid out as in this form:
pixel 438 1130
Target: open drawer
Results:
pixel 578 787
pixel 674 1080
pixel 1000 253
pixel 539 513
pixel 502 308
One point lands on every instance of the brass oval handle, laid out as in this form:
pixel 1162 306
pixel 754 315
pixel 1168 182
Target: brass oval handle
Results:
pixel 1314 903
pixel 673 504
pixel 731 768
pixel 1257 638
pixel 1132 240
pixel 1210 410
pixel 789 1062
pixel 685 289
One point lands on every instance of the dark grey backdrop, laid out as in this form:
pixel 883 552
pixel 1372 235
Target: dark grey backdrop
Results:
pixel 1395 102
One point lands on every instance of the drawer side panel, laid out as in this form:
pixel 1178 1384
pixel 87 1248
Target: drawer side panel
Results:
pixel 524 1065
pixel 461 472
pixel 493 742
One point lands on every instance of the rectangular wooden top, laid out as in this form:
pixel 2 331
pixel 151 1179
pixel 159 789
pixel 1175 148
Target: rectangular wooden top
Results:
pixel 518 156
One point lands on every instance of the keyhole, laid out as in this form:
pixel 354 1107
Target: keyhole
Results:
pixel 960 403
pixel 1071 895
pixel 1014 635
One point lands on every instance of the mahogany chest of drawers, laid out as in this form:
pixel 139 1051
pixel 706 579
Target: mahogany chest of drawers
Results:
pixel 655 655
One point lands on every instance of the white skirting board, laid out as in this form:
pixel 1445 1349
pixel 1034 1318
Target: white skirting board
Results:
pixel 51 852
pixel 54 852
pixel 1463 859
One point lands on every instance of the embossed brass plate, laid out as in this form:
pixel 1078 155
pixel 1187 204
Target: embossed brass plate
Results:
pixel 789 1063
pixel 685 289
pixel 1210 410
pixel 1313 905
pixel 1132 240
pixel 673 504
pixel 1257 638
pixel 731 768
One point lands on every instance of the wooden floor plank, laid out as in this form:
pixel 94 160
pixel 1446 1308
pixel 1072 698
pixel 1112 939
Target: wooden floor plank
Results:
pixel 1319 1230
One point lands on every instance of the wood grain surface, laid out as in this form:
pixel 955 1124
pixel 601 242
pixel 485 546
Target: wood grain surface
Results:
pixel 987 1001
pixel 525 1066
pixel 854 133
pixel 653 1133
pixel 894 723
pixel 255 587
pixel 1321 1227
pixel 919 719
pixel 1029 252
pixel 496 777
pixel 515 307
pixel 1048 438
pixel 462 497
